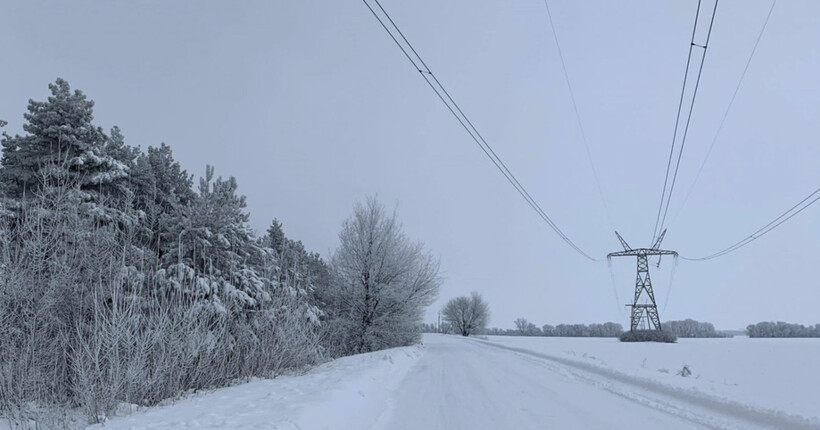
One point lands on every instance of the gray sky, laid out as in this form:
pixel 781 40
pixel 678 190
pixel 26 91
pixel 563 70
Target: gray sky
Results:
pixel 311 106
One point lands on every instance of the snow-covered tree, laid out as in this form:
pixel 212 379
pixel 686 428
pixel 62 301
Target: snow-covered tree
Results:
pixel 526 328
pixel 782 329
pixel 381 283
pixel 290 257
pixel 691 328
pixel 467 314
pixel 180 297
pixel 608 329
pixel 293 266
pixel 548 330
pixel 116 148
pixel 214 242
pixel 162 192
pixel 63 146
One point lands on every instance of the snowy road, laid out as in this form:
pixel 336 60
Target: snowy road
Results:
pixel 468 384
pixel 454 383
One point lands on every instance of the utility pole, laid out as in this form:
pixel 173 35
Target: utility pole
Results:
pixel 439 322
pixel 646 309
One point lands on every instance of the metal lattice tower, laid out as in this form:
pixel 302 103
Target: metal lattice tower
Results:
pixel 643 282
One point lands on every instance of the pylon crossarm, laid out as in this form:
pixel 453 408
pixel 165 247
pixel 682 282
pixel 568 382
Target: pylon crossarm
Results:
pixel 660 238
pixel 630 253
pixel 623 242
pixel 661 252
pixel 641 251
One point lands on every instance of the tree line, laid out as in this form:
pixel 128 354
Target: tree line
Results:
pixel 692 328
pixel 122 281
pixel 687 328
pixel 470 314
pixel 782 329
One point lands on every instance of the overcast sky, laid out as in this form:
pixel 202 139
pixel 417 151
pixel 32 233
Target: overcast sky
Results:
pixel 311 106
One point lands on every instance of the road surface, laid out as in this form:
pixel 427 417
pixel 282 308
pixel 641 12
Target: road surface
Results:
pixel 453 383
pixel 463 383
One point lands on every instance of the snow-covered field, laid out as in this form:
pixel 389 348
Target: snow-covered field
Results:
pixel 771 374
pixel 524 383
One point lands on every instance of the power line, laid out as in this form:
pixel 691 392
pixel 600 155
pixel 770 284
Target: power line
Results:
pixel 785 216
pixel 660 221
pixel 677 122
pixel 728 108
pixel 621 310
pixel 689 117
pixel 671 282
pixel 465 122
pixel 578 117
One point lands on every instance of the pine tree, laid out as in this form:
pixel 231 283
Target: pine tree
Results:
pixel 62 146
pixel 275 237
pixel 293 266
pixel 162 191
pixel 215 243
pixel 116 148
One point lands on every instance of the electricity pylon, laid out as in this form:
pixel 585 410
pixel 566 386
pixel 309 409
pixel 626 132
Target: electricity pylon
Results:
pixel 643 282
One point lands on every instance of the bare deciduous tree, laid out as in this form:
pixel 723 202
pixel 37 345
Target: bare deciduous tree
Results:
pixel 521 325
pixel 466 314
pixel 526 328
pixel 381 283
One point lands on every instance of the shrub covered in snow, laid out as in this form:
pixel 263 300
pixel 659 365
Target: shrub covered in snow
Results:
pixel 648 336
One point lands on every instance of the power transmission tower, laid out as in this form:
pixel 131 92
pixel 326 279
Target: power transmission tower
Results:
pixel 647 309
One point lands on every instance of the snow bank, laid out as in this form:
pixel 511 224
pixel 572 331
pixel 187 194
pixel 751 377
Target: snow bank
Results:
pixel 350 392
pixel 767 374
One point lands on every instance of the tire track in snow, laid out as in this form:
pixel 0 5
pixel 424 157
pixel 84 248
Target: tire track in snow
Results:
pixel 465 385
pixel 670 397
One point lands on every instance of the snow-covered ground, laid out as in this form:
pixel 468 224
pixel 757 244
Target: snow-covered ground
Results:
pixel 523 383
pixel 348 393
pixel 768 374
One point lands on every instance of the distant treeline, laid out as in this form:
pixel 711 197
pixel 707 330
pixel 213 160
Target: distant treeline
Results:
pixel 782 329
pixel 691 328
pixel 526 328
pixel 688 328
pixel 607 329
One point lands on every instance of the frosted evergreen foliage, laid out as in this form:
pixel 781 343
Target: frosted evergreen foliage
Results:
pixel 162 191
pixel 62 145
pixel 213 243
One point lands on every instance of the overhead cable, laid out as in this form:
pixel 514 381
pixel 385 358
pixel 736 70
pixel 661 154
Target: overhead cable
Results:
pixel 677 122
pixel 445 97
pixel 785 216
pixel 659 221
pixel 578 116
pixel 728 108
